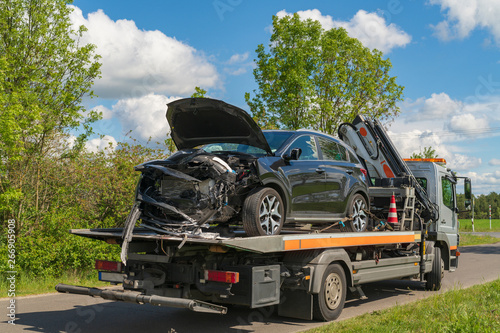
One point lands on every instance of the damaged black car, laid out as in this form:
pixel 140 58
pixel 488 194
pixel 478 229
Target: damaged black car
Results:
pixel 228 172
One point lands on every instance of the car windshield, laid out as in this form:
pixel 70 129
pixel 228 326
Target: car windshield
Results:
pixel 275 140
pixel 233 147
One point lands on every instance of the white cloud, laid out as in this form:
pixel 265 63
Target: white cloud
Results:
pixel 137 62
pixel 484 180
pixel 468 124
pixel 439 106
pixel 238 58
pixel 238 64
pixel 449 126
pixel 494 162
pixel 145 115
pixel 460 162
pixel 105 112
pixel 464 16
pixel 370 28
pixel 313 14
pixel 236 72
pixel 106 143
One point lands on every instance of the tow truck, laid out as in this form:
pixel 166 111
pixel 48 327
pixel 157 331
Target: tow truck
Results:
pixel 306 273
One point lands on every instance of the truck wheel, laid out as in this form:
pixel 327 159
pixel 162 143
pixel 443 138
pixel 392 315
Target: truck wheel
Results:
pixel 263 212
pixel 434 277
pixel 355 210
pixel 329 303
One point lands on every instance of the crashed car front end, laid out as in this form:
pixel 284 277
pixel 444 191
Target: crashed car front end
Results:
pixel 194 188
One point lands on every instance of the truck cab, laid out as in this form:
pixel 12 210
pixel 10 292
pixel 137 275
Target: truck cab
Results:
pixel 440 184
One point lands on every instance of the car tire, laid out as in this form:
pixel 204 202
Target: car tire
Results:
pixel 355 210
pixel 263 212
pixel 329 303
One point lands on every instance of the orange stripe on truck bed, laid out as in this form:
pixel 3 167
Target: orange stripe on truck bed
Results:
pixel 292 244
pixel 315 243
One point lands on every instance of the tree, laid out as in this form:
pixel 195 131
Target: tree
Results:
pixel 199 92
pixel 318 79
pixel 45 73
pixel 428 152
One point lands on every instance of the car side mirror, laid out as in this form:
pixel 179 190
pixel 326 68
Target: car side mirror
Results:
pixel 468 194
pixel 294 154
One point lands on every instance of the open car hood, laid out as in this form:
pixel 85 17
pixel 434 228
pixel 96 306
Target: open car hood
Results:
pixel 199 121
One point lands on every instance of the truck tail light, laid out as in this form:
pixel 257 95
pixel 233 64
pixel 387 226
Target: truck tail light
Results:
pixel 222 276
pixel 110 266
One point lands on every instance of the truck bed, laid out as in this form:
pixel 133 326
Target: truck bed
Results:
pixel 264 244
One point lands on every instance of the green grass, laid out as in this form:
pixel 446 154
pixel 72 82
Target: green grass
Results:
pixel 476 309
pixel 28 285
pixel 479 225
pixel 468 239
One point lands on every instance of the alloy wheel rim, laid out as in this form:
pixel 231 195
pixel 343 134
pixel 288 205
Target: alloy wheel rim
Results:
pixel 270 215
pixel 359 215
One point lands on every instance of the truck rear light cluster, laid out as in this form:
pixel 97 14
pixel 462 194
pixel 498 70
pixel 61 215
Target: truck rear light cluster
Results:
pixel 110 266
pixel 222 276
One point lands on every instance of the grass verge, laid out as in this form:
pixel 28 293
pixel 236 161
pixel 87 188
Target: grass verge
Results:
pixel 468 239
pixel 479 225
pixel 476 309
pixel 29 285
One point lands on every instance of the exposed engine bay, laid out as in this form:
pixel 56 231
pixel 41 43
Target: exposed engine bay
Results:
pixel 192 189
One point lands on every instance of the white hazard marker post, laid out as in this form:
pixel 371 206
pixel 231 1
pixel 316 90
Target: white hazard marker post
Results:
pixel 490 216
pixel 472 218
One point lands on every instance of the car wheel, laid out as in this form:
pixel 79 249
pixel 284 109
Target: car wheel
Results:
pixel 434 277
pixel 329 303
pixel 356 208
pixel 263 212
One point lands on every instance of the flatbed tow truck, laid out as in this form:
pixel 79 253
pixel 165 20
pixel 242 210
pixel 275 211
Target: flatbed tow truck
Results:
pixel 306 273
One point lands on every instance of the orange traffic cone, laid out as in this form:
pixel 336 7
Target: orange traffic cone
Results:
pixel 393 213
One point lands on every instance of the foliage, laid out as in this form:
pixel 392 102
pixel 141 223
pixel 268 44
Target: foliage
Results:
pixel 312 78
pixel 480 225
pixel 45 283
pixel 199 92
pixel 470 239
pixel 481 206
pixel 45 73
pixel 48 182
pixel 428 152
pixel 91 190
pixel 470 310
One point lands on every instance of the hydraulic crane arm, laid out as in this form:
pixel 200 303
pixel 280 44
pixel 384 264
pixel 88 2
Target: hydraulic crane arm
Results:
pixel 370 141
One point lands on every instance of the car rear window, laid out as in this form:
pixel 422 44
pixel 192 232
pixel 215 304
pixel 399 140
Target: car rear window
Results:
pixel 332 150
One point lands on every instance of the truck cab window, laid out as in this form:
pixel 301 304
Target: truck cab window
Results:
pixel 447 190
pixel 423 183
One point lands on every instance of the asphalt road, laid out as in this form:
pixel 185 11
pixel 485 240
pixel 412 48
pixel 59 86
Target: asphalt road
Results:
pixel 74 313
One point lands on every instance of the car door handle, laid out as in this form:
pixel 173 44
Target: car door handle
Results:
pixel 349 172
pixel 319 170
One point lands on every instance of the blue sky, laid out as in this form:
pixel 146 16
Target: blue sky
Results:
pixel 446 53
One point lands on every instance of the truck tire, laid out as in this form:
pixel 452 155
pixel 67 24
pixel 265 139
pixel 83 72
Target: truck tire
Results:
pixel 355 210
pixel 434 277
pixel 329 303
pixel 263 212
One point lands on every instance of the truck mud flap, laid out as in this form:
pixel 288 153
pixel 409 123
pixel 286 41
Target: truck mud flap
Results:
pixel 134 297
